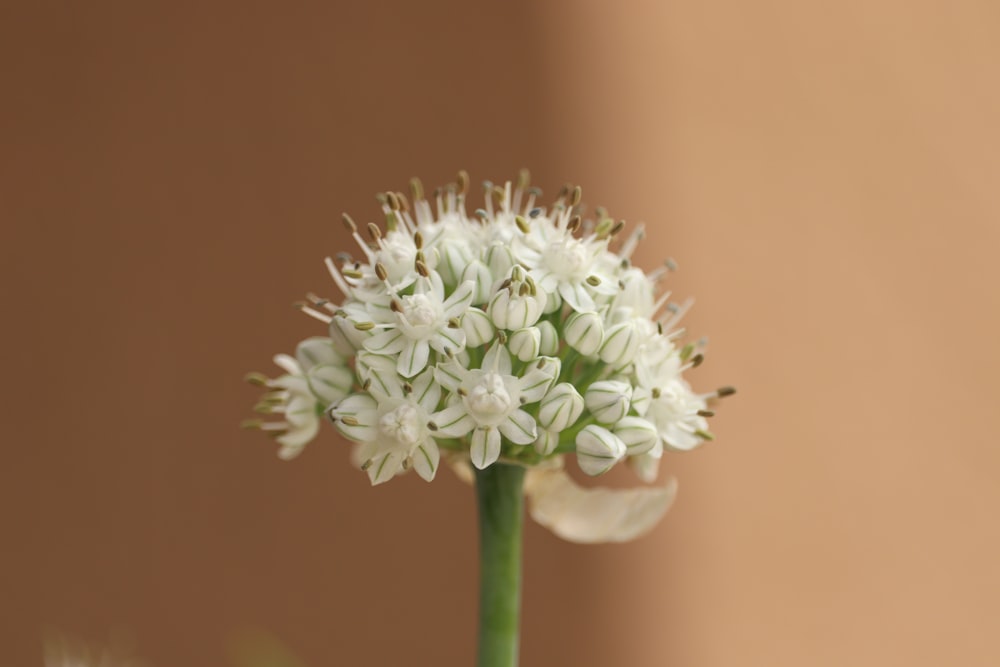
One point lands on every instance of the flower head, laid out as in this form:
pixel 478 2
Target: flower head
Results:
pixel 518 333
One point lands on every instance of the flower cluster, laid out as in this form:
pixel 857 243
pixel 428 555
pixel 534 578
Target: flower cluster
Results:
pixel 519 333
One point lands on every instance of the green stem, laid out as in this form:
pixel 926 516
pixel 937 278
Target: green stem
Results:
pixel 501 514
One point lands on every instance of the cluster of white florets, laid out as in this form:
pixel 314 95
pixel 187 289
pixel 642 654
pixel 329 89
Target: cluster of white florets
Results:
pixel 517 333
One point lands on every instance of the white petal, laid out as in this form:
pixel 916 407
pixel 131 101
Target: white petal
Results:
pixel 426 392
pixel 638 434
pixel 460 300
pixel 296 439
pixel 485 448
pixel 413 358
pixel 519 428
pixel 594 515
pixel 453 422
pixel 425 460
pixel 576 295
pixel 534 385
pixel 386 342
pixel 384 467
pixel 449 339
pixel 449 375
pixel 498 357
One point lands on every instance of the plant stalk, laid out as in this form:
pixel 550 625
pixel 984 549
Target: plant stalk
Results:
pixel 501 518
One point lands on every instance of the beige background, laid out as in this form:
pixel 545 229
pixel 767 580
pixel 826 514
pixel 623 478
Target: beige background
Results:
pixel 824 173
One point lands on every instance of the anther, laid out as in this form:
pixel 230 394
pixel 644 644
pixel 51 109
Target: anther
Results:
pixel 593 280
pixel 256 379
pixel 697 359
pixel 502 337
pixel 396 306
pixel 367 384
pixel 535 212
pixel 706 413
pixel 686 351
pixel 722 392
pixel 453 323
pixel 422 269
pixel 574 224
pixel 704 435
pixel 349 420
pixel 522 224
pixel 431 426
pixel 374 231
pixel 381 271
pixel 349 223
pixel 656 393
pixel 463 181
pixel 404 203
pixel 367 464
pixel 619 226
pixel 352 273
pixel 407 388
pixel 416 189
pixel 577 196
pixel 392 200
pixel 418 240
pixel 523 290
pixel 670 264
pixel 481 213
pixel 364 326
pixel 461 392
pixel 523 179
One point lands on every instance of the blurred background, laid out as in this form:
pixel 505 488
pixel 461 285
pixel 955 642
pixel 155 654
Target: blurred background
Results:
pixel 825 174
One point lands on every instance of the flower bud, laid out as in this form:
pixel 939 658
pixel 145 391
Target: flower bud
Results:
pixel 477 327
pixel 598 450
pixel 546 442
pixel 515 311
pixel 584 332
pixel 316 351
pixel 499 259
pixel 608 400
pixel 553 303
pixel 621 342
pixel 525 343
pixel 638 434
pixel 549 344
pixel 479 274
pixel 560 408
pixel 330 382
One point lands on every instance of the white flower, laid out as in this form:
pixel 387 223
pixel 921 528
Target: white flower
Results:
pixel 490 404
pixel 422 321
pixel 391 421
pixel 518 333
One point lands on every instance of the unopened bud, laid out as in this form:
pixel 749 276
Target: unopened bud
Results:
pixel 608 400
pixel 560 408
pixel 525 343
pixel 584 332
pixel 638 434
pixel 546 442
pixel 598 450
pixel 549 344
pixel 477 327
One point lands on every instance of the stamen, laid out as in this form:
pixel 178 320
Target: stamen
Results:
pixel 704 435
pixel 315 314
pixel 375 232
pixel 697 360
pixel 422 269
pixel 593 280
pixel 576 197
pixel 392 201
pixel 535 212
pixel 463 181
pixel 522 224
pixel 349 223
pixel 407 388
pixel 453 323
pixel 706 413
pixel 381 272
pixel 418 240
pixel 431 426
pixel 364 326
pixel 349 420
pixel 722 392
